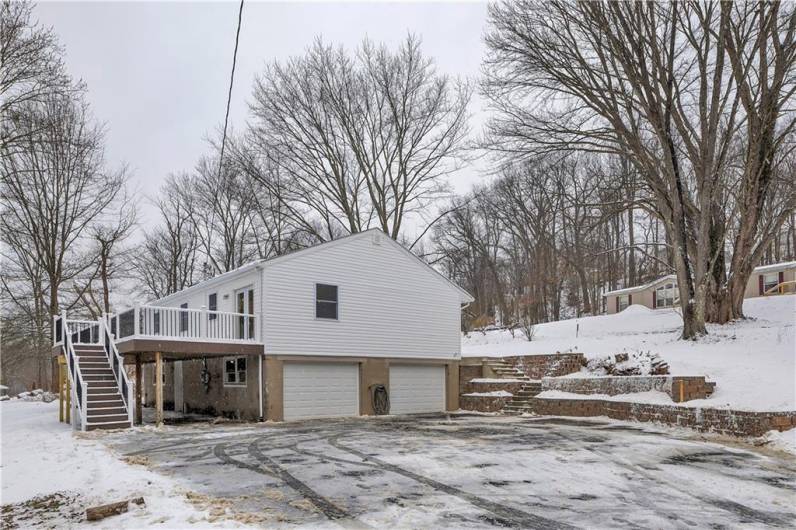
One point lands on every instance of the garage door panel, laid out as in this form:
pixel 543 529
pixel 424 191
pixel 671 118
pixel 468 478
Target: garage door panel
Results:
pixel 416 388
pixel 320 390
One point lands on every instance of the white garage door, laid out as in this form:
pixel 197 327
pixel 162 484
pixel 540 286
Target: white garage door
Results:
pixel 416 388
pixel 320 390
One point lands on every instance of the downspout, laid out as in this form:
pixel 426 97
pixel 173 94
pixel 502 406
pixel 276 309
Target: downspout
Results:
pixel 261 326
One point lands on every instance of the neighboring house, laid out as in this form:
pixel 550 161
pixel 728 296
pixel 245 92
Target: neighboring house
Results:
pixel 304 335
pixel 662 293
pixel 656 294
pixel 771 279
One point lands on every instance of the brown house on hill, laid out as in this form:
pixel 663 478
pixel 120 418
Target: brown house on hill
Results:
pixel 767 280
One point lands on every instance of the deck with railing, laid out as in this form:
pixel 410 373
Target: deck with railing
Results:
pixel 173 330
pixel 203 325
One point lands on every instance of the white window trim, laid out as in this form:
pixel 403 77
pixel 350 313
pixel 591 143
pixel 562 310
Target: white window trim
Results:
pixel 770 285
pixel 236 384
pixel 625 297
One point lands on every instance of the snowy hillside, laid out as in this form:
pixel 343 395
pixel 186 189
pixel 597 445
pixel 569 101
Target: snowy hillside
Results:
pixel 753 362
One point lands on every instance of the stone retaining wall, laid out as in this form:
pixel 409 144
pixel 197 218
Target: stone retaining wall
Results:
pixel 483 403
pixel 680 388
pixel 471 386
pixel 552 365
pixel 723 421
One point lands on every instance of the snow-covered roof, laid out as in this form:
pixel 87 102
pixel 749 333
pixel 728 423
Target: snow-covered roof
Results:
pixel 775 267
pixel 644 287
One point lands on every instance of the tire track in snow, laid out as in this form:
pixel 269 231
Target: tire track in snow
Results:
pixel 520 518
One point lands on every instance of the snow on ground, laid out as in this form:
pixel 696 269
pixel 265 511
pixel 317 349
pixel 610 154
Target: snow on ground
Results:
pixel 42 457
pixel 753 361
pixel 494 393
pixel 784 441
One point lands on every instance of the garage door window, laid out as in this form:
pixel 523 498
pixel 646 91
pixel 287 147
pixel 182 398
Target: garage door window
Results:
pixel 235 372
pixel 325 301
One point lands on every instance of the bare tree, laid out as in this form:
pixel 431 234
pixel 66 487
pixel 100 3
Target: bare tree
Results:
pixel 32 68
pixel 363 140
pixel 663 85
pixel 166 260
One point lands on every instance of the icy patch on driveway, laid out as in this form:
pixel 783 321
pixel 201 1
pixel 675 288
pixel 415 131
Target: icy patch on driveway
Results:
pixel 474 472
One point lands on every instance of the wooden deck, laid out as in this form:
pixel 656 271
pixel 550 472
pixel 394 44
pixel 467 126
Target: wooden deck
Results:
pixel 178 350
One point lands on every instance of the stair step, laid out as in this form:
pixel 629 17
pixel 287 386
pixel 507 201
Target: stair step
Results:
pixel 108 403
pixel 89 347
pixel 106 418
pixel 99 411
pixel 108 425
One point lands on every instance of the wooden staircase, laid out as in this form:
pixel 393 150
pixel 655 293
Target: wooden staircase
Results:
pixel 519 403
pixel 105 407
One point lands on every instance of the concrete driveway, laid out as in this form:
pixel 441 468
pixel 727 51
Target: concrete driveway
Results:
pixel 471 472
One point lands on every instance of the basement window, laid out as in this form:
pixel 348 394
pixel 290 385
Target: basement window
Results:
pixel 235 371
pixel 325 301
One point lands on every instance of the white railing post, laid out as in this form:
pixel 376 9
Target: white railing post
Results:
pixel 55 330
pixel 130 404
pixel 204 322
pixel 136 323
pixel 64 329
pixel 83 405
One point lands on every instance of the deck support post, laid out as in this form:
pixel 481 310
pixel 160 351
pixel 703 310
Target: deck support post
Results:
pixel 68 400
pixel 158 389
pixel 61 396
pixel 139 388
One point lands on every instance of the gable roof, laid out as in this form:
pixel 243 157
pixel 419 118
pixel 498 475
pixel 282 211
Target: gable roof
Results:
pixel 261 263
pixel 653 283
pixel 775 267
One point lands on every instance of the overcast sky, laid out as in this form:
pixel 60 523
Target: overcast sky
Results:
pixel 158 73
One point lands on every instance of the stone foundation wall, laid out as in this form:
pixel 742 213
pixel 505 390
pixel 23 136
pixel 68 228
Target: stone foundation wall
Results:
pixel 553 365
pixel 483 403
pixel 680 388
pixel 723 421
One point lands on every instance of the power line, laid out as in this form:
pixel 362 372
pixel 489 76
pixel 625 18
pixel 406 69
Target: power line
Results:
pixel 224 135
pixel 229 94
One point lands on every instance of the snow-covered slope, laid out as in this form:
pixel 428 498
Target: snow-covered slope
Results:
pixel 753 362
pixel 40 456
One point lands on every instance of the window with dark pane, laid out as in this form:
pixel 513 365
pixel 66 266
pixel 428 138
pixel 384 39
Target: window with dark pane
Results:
pixel 235 371
pixel 212 305
pixel 325 301
pixel 184 317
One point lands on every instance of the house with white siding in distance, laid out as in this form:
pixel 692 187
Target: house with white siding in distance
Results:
pixel 330 330
pixel 766 280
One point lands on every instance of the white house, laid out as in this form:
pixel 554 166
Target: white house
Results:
pixel 305 335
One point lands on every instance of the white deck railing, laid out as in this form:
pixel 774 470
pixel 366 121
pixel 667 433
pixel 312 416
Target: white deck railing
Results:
pixel 145 321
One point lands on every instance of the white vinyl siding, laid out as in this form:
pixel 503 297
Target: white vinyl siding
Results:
pixel 391 305
pixel 416 388
pixel 320 390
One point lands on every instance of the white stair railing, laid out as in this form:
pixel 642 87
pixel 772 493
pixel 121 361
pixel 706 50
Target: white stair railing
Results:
pixel 116 362
pixel 79 390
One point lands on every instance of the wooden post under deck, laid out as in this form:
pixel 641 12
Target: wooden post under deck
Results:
pixel 158 389
pixel 61 397
pixel 139 388
pixel 68 400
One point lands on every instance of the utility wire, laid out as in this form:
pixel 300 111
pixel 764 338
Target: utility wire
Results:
pixel 224 138
pixel 229 94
